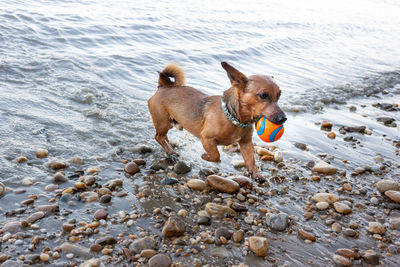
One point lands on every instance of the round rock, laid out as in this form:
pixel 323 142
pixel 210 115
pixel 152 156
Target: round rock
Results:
pixel 376 228
pixel 100 214
pixel 326 197
pixel 160 260
pixel 174 226
pixel 223 184
pixel 342 208
pixel 131 168
pixel 386 185
pixel 259 245
pixel 393 195
pixel 197 184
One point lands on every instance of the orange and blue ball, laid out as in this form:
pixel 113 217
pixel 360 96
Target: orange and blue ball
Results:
pixel 268 131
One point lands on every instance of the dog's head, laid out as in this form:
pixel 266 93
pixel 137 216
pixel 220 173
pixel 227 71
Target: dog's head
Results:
pixel 252 97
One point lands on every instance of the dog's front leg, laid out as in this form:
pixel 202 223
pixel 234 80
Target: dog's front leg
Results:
pixel 247 150
pixel 210 146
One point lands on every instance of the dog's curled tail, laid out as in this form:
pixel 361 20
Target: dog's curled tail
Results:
pixel 174 71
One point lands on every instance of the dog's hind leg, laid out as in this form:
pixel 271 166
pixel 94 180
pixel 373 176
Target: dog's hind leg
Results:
pixel 162 124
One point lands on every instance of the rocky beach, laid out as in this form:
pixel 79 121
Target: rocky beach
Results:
pixel 332 200
pixel 84 183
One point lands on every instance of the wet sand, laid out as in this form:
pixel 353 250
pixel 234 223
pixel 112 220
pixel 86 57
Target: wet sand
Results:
pixel 96 212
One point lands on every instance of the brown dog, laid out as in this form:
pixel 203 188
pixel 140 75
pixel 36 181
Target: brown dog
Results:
pixel 215 120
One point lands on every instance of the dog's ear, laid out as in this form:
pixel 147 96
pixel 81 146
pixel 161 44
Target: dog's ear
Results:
pixel 235 76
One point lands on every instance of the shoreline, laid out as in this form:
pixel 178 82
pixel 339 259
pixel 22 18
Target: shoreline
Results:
pixel 138 208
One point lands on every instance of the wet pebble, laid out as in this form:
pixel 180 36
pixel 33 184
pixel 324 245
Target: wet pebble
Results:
pixel 322 205
pixel 59 177
pixel 376 228
pixel 342 208
pixel 393 195
pixel 131 168
pixel 12 227
pixel 306 235
pixel 325 168
pixel 243 181
pixel 148 253
pixel 27 181
pixel 105 199
pixel 2 188
pixel 386 185
pixel 44 257
pixel 169 181
pixel 143 243
pixel 42 153
pixel 325 197
pixel 197 184
pixel 75 249
pixel 395 223
pixel 370 256
pixel 259 245
pixel 160 260
pixel 56 165
pixel 174 226
pixel 89 180
pixel 343 261
pixel 181 167
pixel 350 232
pixel 223 184
pixel 239 207
pixel 100 214
pixel 35 217
pixel 336 227
pixel 278 222
pixel 219 210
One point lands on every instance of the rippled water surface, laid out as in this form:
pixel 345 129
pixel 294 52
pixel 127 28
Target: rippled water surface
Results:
pixel 75 76
pixel 80 72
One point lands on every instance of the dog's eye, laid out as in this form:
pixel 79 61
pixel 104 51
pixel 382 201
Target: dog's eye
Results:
pixel 264 96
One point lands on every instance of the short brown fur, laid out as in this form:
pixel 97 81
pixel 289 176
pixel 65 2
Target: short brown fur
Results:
pixel 247 100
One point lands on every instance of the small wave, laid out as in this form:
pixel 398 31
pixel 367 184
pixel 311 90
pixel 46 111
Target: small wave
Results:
pixel 316 99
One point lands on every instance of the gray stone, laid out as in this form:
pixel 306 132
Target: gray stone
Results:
pixel 181 168
pixel 144 243
pixel 278 222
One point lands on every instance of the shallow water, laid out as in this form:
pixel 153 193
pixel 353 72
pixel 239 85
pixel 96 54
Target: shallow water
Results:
pixel 75 76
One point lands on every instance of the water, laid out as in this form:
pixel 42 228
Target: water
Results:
pixel 75 76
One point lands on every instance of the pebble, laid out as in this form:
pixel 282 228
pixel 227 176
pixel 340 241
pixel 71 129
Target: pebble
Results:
pixel 22 159
pixel 238 236
pixel 91 263
pixel 181 167
pixel 148 253
pixel 259 245
pixel 326 197
pixel 237 164
pixel 306 235
pixel 342 208
pixel 42 153
pixel 263 151
pixel 376 228
pixel 370 256
pixel 393 195
pixel 301 146
pixel 322 205
pixel 278 222
pixel 100 214
pixel 386 185
pixel 169 181
pixel 96 248
pixel 144 243
pixel 331 135
pixel 59 177
pixel 27 181
pixel 160 260
pixel 395 223
pixel 77 160
pixel 51 187
pixel 2 188
pixel 89 196
pixel 324 168
pixel 348 253
pixel 35 217
pixel 44 257
pixel 12 227
pixel 222 233
pixel 238 207
pixel 68 227
pixel 104 191
pixel 278 157
pixel 48 208
pixel 336 227
pixel 243 181
pixel 105 199
pixel 112 184
pixel 75 249
pixel 326 125
pixel 131 168
pixel 219 210
pixel 56 165
pixel 350 232
pixel 223 184
pixel 196 184
pixel 342 260
pixel 182 213
pixel 89 180
pixel 174 226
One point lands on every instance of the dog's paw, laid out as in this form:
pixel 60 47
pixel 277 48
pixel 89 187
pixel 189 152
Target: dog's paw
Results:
pixel 173 157
pixel 206 157
pixel 258 178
